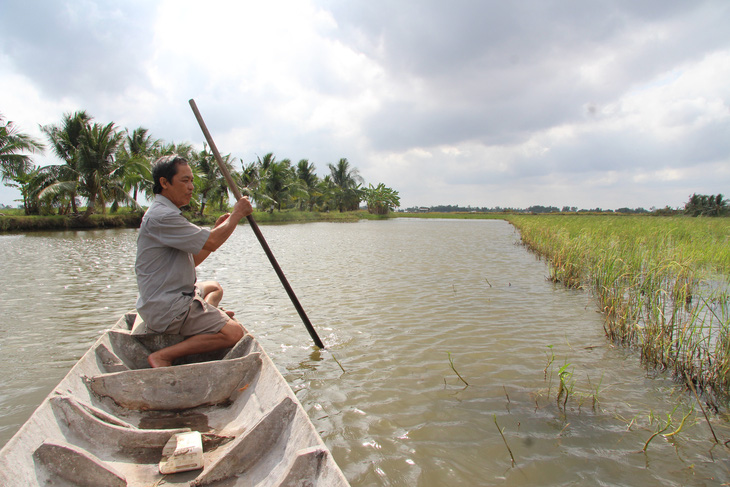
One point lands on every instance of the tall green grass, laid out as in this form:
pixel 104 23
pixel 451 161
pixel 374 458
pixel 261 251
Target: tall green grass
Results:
pixel 663 285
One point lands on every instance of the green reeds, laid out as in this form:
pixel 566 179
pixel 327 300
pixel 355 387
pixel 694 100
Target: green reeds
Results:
pixel 662 428
pixel 565 387
pixel 501 433
pixel 663 284
pixel 451 363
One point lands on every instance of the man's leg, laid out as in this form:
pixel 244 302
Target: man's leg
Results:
pixel 229 335
pixel 212 293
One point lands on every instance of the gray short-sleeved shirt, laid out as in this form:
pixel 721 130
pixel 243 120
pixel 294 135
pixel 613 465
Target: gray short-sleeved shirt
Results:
pixel 165 267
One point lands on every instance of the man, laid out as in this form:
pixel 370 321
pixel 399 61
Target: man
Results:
pixel 169 247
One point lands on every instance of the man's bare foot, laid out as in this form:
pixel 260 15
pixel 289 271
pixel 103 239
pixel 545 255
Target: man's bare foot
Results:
pixel 229 313
pixel 155 361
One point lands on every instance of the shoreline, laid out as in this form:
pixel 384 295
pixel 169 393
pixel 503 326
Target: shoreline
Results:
pixel 33 223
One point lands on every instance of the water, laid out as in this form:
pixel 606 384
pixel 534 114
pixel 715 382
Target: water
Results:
pixel 391 300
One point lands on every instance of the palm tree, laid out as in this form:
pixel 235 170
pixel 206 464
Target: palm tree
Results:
pixel 184 150
pixel 706 205
pixel 348 182
pixel 37 196
pixel 256 175
pixel 719 205
pixel 309 180
pixel 14 165
pixel 268 160
pixel 210 183
pixel 100 173
pixel 220 190
pixel 248 179
pixel 280 184
pixel 25 178
pixel 65 141
pixel 325 194
pixel 135 157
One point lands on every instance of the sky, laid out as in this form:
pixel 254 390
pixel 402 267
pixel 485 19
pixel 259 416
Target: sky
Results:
pixel 607 104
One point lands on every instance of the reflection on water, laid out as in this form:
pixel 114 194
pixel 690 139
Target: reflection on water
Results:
pixel 390 299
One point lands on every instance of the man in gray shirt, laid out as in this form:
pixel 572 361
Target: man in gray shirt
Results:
pixel 169 247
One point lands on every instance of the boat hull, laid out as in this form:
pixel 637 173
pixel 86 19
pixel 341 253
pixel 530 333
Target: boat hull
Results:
pixel 108 420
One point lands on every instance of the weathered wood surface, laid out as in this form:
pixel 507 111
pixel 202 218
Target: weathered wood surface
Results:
pixel 108 420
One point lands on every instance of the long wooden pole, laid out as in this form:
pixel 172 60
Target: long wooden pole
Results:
pixel 256 230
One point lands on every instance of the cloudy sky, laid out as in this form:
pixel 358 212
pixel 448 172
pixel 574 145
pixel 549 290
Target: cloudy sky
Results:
pixel 482 103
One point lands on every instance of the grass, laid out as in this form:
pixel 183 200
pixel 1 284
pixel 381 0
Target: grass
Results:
pixel 285 216
pixel 567 389
pixel 663 284
pixel 451 363
pixel 451 216
pixel 14 220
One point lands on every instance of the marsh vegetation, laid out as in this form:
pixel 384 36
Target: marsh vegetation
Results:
pixel 663 285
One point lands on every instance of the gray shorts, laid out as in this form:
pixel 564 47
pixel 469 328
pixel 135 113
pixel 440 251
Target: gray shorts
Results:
pixel 199 318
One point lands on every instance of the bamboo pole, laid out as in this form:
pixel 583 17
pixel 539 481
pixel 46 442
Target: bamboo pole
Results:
pixel 256 230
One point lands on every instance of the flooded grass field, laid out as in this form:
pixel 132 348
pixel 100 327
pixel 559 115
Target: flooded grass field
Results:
pixel 662 283
pixel 464 364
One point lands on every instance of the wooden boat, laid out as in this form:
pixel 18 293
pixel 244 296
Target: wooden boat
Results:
pixel 109 420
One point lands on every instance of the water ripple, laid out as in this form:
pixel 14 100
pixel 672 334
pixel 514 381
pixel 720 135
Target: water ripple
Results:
pixel 391 300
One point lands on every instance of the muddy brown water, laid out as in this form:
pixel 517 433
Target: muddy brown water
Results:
pixel 397 302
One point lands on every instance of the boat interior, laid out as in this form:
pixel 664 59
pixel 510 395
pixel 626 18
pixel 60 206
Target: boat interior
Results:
pixel 109 420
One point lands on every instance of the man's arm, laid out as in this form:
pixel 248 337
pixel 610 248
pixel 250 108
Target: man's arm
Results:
pixel 224 227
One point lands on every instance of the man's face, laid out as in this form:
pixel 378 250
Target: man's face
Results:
pixel 180 189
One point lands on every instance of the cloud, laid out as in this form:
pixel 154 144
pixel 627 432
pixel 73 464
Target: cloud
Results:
pixel 77 48
pixel 467 70
pixel 480 103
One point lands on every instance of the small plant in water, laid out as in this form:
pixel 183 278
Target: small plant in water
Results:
pixel 550 359
pixel 501 433
pixel 451 362
pixel 662 427
pixel 594 393
pixel 565 388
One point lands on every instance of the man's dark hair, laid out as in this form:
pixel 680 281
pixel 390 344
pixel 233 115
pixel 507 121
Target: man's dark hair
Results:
pixel 165 167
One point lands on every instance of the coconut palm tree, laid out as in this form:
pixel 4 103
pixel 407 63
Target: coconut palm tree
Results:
pixel 719 205
pixel 65 140
pixel 25 179
pixel 256 176
pixel 248 179
pixel 325 195
pixel 42 200
pixel 706 205
pixel 280 184
pixel 14 164
pixel 100 174
pixel 265 162
pixel 221 192
pixel 204 169
pixel 308 180
pixel 210 183
pixel 135 158
pixel 184 150
pixel 348 182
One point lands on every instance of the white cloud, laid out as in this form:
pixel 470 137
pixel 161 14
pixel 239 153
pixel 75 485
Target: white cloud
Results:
pixel 612 104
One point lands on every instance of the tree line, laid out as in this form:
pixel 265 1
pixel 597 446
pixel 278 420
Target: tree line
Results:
pixel 536 209
pixel 706 205
pixel 110 167
pixel 698 205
